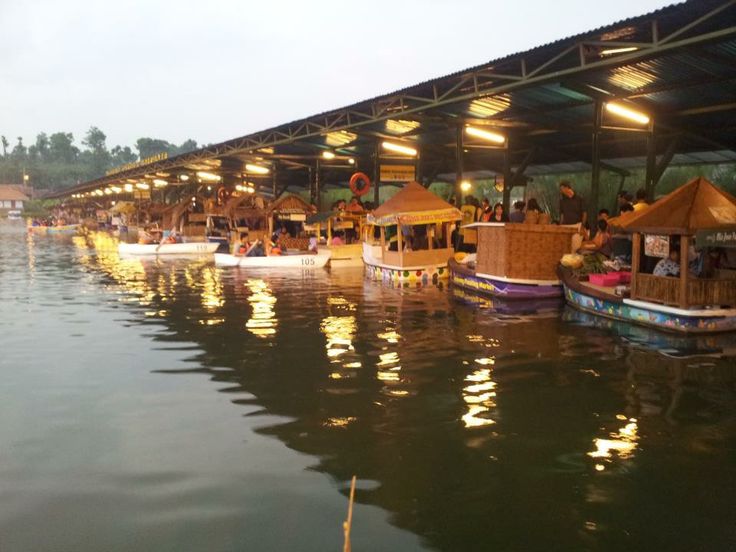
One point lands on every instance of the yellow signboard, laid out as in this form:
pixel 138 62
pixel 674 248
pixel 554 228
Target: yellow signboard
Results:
pixel 397 173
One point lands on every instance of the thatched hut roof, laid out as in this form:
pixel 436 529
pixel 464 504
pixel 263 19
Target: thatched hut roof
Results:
pixel 414 204
pixel 290 204
pixel 698 205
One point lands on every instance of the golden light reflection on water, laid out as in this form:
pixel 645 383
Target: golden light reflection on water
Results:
pixel 389 363
pixel 262 322
pixel 31 255
pixel 212 293
pixel 340 328
pixel 621 444
pixel 130 274
pixel 479 395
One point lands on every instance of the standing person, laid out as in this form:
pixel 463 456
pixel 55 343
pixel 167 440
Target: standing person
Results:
pixel 518 214
pixel 485 210
pixel 623 198
pixel 498 214
pixel 572 206
pixel 641 200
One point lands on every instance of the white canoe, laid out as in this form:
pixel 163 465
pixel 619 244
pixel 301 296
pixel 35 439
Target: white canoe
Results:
pixel 190 248
pixel 275 261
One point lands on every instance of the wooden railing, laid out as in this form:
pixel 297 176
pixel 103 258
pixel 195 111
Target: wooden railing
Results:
pixel 700 291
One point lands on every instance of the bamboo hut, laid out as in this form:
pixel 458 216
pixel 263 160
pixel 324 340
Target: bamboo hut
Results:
pixel 695 207
pixel 290 211
pixel 400 256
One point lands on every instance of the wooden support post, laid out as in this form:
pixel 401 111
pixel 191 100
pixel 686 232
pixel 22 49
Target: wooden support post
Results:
pixel 400 244
pixel 508 179
pixel 273 180
pixel 383 243
pixel 684 300
pixel 317 187
pixel 635 257
pixel 459 166
pixel 651 167
pixel 377 176
pixel 595 177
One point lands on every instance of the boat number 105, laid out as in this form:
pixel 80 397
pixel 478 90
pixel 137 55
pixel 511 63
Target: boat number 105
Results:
pixel 307 262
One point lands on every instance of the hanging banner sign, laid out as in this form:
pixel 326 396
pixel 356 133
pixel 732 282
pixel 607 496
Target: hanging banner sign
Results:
pixel 397 173
pixel 656 246
pixel 716 238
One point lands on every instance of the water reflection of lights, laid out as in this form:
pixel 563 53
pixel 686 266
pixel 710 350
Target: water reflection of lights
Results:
pixel 129 274
pixel 389 363
pixel 340 328
pixel 621 444
pixel 31 255
pixel 339 331
pixel 263 320
pixel 212 296
pixel 479 396
pixel 339 422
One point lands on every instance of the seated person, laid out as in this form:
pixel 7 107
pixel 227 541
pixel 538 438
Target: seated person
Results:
pixel 145 238
pixel 669 266
pixel 256 250
pixel 601 242
pixel 518 213
pixel 355 206
pixel 337 240
pixel 172 238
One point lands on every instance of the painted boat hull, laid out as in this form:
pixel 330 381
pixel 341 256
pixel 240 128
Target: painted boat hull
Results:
pixel 191 248
pixel 512 307
pixel 395 275
pixel 646 314
pixel 467 278
pixel 319 260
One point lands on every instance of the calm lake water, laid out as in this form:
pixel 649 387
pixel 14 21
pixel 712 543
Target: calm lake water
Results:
pixel 172 405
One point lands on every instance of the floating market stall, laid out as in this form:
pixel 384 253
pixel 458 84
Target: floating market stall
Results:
pixel 696 296
pixel 342 231
pixel 285 220
pixel 514 261
pixel 414 229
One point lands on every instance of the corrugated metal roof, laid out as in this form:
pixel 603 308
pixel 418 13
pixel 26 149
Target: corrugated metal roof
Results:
pixel 664 82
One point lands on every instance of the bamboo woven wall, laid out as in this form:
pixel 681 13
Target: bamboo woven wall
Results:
pixel 660 289
pixel 665 290
pixel 712 292
pixel 523 251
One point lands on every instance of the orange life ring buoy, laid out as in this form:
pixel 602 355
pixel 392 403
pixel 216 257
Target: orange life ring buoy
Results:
pixel 364 187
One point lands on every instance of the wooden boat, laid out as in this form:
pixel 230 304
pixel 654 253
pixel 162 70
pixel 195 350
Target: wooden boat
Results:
pixel 604 302
pixel 318 260
pixel 347 255
pixel 413 209
pixel 188 248
pixel 515 261
pixel 686 304
pixel 65 229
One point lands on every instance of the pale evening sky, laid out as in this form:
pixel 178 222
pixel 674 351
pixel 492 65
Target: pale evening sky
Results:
pixel 217 69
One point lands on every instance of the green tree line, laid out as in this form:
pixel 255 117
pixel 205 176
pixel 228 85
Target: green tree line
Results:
pixel 55 161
